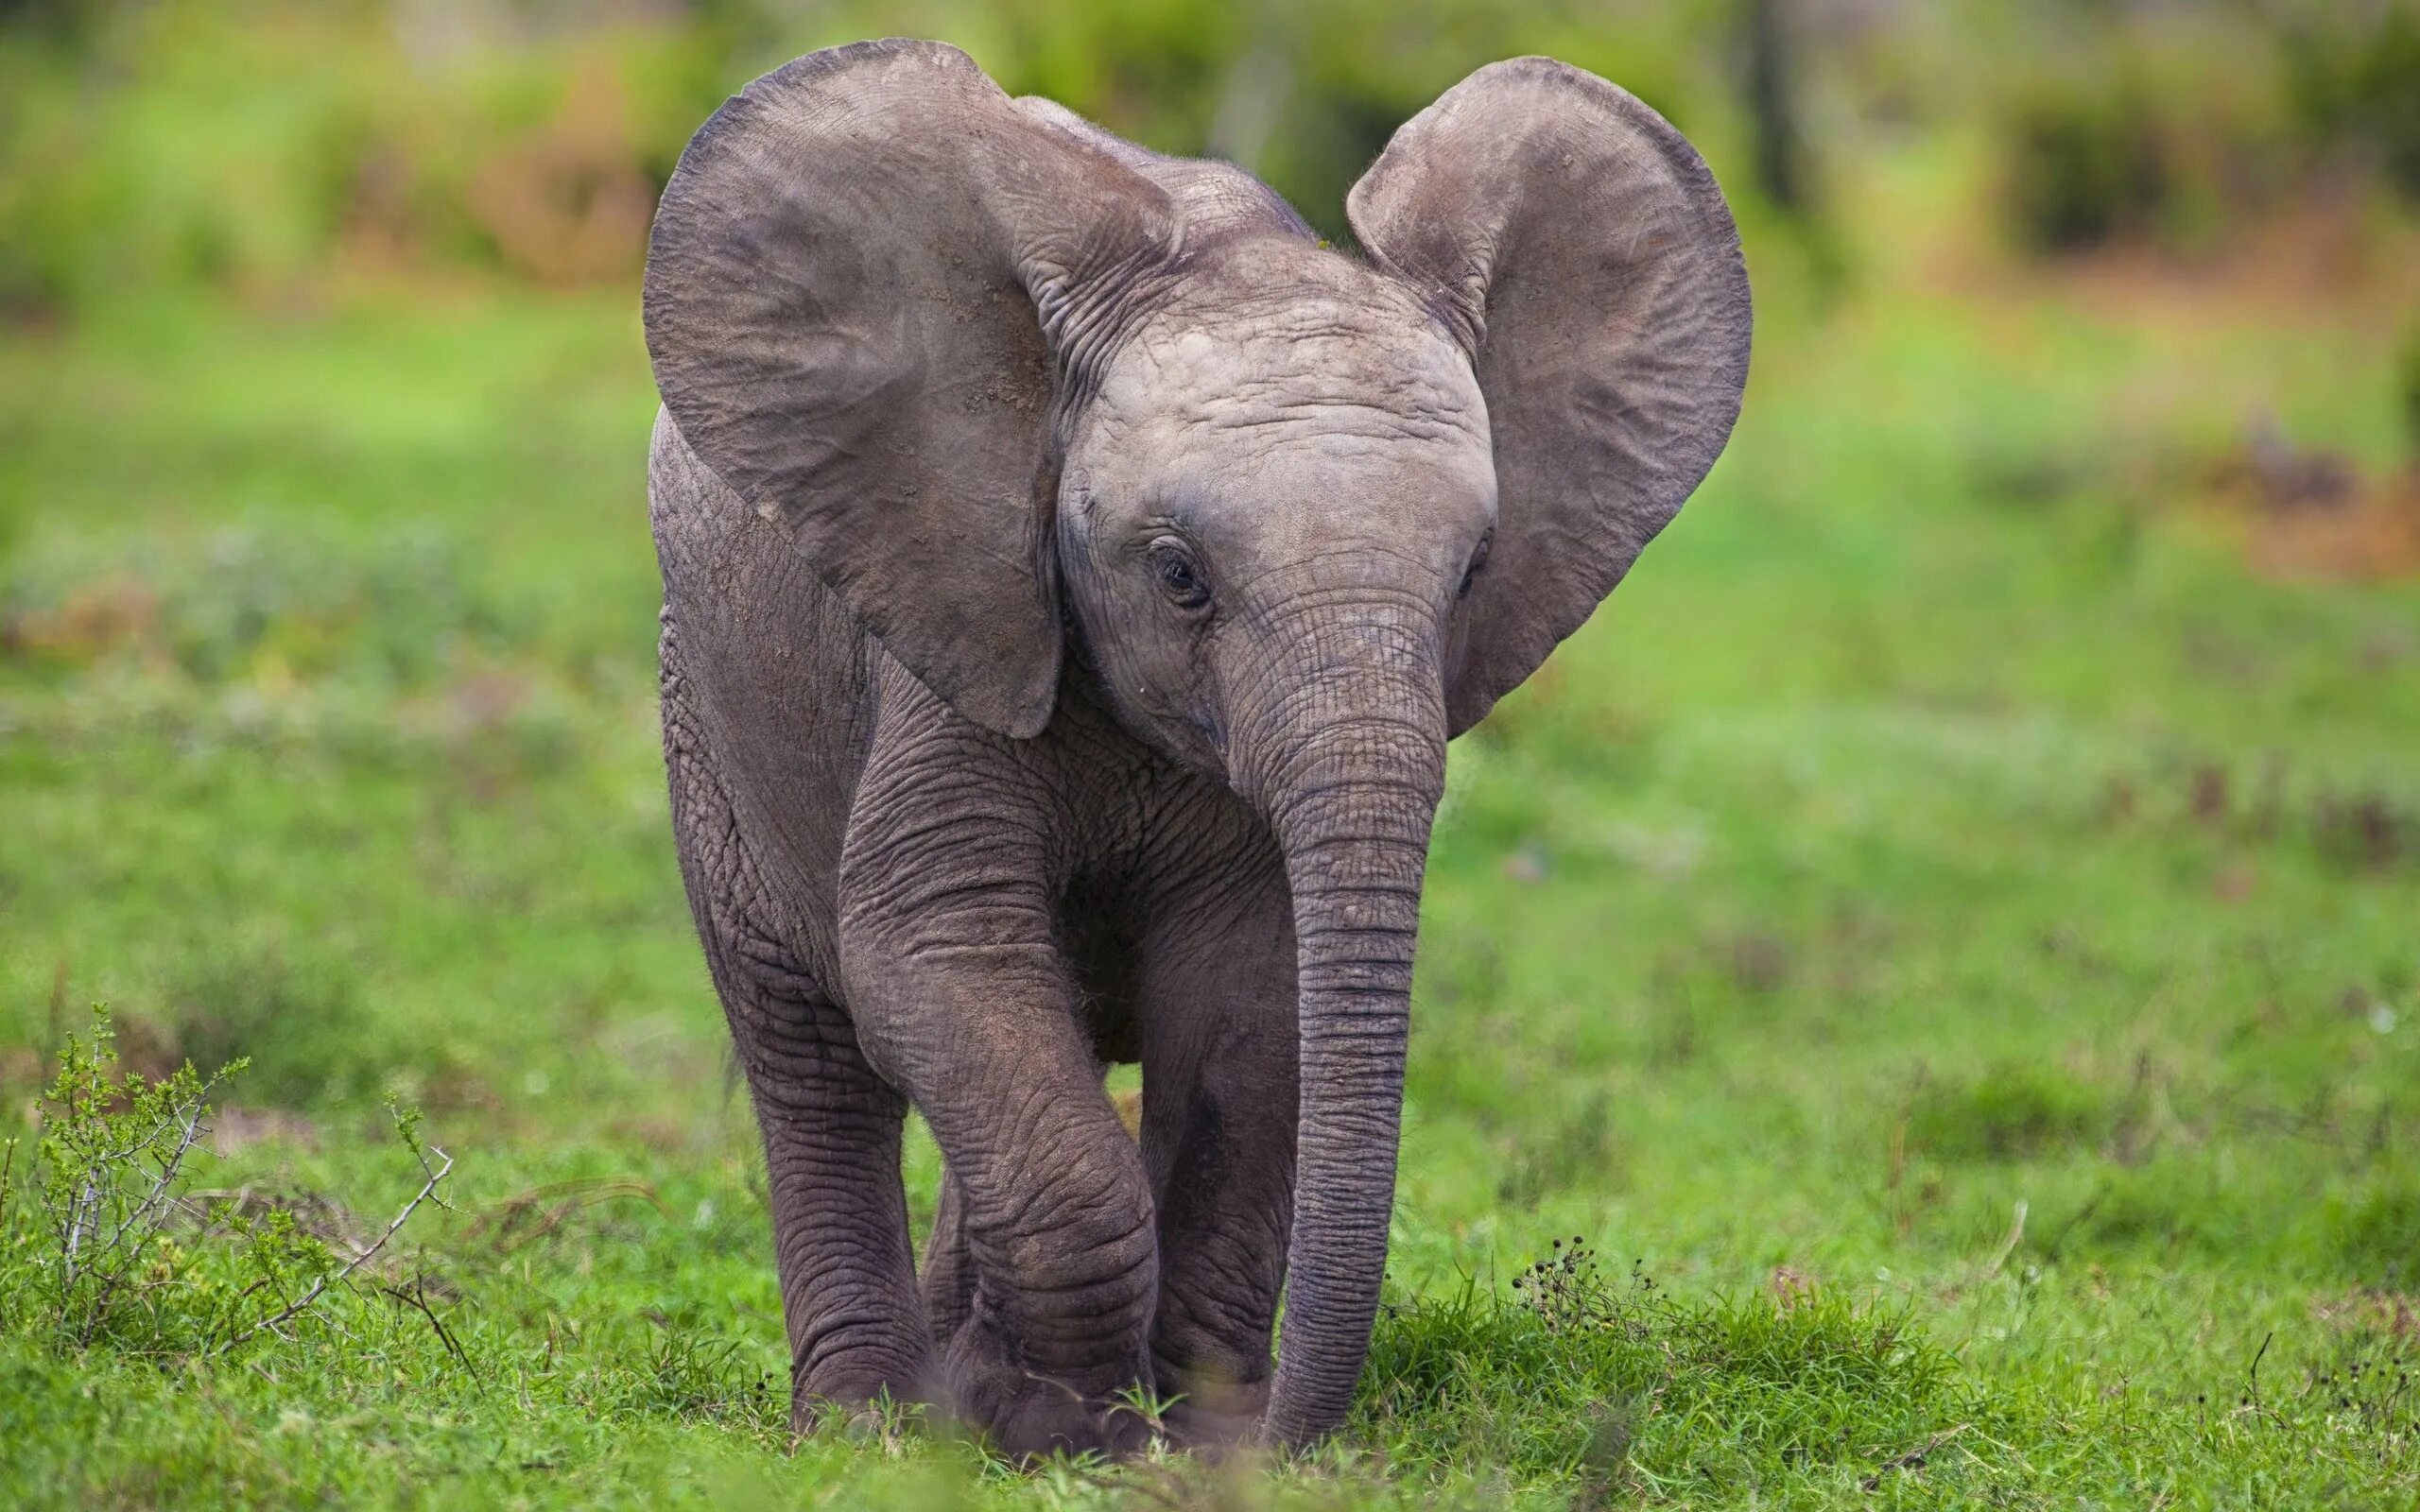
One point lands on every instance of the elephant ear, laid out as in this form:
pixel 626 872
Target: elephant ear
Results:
pixel 1580 249
pixel 864 279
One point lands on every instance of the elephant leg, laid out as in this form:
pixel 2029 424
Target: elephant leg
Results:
pixel 949 1271
pixel 832 1133
pixel 1045 1239
pixel 952 970
pixel 1218 1117
pixel 831 1126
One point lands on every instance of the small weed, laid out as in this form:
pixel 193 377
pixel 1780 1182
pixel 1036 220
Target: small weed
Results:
pixel 683 1371
pixel 1597 1381
pixel 2368 1380
pixel 106 1246
pixel 108 1166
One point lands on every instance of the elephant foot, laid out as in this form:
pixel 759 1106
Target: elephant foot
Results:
pixel 1211 1415
pixel 1028 1415
pixel 862 1409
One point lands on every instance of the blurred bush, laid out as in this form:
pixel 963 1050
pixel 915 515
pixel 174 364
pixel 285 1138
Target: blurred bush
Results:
pixel 2176 126
pixel 260 145
pixel 274 148
pixel 2168 135
pixel 245 605
pixel 2086 162
pixel 283 149
pixel 2353 74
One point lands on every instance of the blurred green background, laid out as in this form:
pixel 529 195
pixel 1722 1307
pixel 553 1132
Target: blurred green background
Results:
pixel 1953 918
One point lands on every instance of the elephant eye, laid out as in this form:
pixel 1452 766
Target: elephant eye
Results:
pixel 1178 577
pixel 1479 559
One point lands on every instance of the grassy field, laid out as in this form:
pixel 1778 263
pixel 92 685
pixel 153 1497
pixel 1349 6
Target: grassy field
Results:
pixel 1944 942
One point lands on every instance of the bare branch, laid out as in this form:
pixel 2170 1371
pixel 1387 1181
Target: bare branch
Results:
pixel 417 1298
pixel 296 1308
pixel 140 1220
pixel 189 1133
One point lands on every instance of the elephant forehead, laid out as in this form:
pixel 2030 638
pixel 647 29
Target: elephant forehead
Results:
pixel 1318 379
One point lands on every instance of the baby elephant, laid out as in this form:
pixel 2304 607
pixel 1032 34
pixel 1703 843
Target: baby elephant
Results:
pixel 1073 571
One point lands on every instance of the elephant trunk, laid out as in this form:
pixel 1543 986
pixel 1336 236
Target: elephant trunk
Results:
pixel 1356 767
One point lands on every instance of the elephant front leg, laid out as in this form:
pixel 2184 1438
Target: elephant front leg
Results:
pixel 963 1001
pixel 1049 1214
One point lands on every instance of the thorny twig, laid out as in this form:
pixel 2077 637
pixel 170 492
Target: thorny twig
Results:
pixel 417 1298
pixel 296 1308
pixel 189 1129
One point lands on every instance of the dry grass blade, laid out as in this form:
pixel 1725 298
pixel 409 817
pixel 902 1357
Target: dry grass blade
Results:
pixel 533 1215
pixel 1912 1460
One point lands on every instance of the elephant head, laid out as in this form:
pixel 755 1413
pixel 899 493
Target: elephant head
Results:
pixel 1021 390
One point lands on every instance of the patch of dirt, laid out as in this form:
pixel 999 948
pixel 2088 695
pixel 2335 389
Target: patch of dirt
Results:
pixel 2311 253
pixel 21 1067
pixel 1791 1288
pixel 570 204
pixel 88 623
pixel 2388 1314
pixel 2310 512
pixel 2319 253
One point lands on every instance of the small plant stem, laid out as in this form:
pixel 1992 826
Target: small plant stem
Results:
pixel 139 1219
pixel 417 1299
pixel 2007 1246
pixel 303 1304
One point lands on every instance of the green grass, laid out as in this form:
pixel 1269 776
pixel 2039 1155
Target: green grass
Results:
pixel 1946 920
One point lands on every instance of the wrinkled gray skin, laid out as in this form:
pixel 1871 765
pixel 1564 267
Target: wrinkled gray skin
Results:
pixel 1073 573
